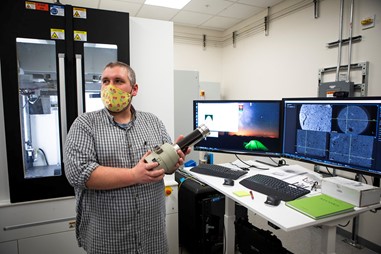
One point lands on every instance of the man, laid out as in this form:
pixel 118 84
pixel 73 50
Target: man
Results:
pixel 120 198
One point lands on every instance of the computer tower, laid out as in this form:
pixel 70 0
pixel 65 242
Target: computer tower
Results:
pixel 201 216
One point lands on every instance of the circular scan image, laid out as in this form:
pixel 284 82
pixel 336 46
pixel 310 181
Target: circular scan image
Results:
pixel 315 117
pixel 353 120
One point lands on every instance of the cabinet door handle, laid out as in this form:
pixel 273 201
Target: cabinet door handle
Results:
pixel 61 70
pixel 78 68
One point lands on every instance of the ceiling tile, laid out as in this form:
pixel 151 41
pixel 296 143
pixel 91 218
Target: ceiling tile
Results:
pixel 82 3
pixel 240 11
pixel 212 14
pixel 122 6
pixel 207 6
pixel 191 18
pixel 260 3
pixel 220 23
pixel 131 1
pixel 155 12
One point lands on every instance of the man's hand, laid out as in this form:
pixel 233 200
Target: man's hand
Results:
pixel 181 154
pixel 143 172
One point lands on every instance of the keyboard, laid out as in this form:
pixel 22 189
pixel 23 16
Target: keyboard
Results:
pixel 272 186
pixel 218 171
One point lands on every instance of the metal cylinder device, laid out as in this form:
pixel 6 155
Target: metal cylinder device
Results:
pixel 166 155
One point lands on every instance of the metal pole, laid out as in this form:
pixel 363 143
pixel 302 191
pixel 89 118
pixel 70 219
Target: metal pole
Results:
pixel 340 39
pixel 350 43
pixel 267 21
pixel 355 226
pixel 316 9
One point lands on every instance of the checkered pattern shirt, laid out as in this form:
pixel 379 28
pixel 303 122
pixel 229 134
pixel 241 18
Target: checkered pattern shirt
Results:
pixel 124 220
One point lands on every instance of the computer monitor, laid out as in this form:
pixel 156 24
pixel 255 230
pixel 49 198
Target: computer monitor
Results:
pixel 250 127
pixel 343 133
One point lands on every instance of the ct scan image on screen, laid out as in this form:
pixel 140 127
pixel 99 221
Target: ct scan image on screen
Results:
pixel 242 127
pixel 342 133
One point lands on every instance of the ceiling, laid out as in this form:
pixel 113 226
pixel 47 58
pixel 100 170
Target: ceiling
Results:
pixel 206 14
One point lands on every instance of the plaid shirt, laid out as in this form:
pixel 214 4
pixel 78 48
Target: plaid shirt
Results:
pixel 124 220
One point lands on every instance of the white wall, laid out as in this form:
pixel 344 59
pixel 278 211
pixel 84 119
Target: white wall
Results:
pixel 196 58
pixel 286 62
pixel 152 59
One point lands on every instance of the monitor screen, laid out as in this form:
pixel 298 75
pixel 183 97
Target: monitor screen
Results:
pixel 248 127
pixel 340 133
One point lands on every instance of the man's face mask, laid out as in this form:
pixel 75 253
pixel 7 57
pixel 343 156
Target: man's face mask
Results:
pixel 115 99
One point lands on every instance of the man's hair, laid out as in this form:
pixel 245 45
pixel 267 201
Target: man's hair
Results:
pixel 131 72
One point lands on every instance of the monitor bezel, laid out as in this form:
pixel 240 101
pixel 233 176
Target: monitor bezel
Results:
pixel 277 154
pixel 334 165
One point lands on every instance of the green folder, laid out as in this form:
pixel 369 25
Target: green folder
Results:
pixel 320 206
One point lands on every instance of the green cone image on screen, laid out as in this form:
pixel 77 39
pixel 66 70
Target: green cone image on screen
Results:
pixel 255 145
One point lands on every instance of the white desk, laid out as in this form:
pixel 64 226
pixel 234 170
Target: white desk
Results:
pixel 282 216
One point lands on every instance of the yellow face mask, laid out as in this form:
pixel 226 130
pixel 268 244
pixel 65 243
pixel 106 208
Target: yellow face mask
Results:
pixel 115 99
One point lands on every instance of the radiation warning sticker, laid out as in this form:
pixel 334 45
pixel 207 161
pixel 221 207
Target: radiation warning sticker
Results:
pixel 79 13
pixel 57 34
pixel 80 35
pixel 30 5
pixel 36 6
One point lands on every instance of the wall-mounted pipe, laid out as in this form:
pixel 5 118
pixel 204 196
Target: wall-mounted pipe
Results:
pixel 350 42
pixel 340 39
pixel 316 9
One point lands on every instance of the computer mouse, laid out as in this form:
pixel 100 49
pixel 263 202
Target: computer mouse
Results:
pixel 229 182
pixel 272 200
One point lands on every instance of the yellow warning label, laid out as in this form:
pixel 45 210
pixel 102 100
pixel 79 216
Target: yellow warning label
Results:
pixel 30 5
pixel 80 35
pixel 57 34
pixel 79 13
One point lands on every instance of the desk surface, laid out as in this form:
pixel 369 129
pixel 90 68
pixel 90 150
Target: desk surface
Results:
pixel 282 216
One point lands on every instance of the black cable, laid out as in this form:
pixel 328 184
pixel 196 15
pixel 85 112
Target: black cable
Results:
pixel 363 177
pixel 43 153
pixel 224 247
pixel 273 160
pixel 343 226
pixel 250 166
pixel 329 172
pixel 280 163
pixel 246 169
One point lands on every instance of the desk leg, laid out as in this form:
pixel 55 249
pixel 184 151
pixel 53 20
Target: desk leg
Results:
pixel 328 240
pixel 229 218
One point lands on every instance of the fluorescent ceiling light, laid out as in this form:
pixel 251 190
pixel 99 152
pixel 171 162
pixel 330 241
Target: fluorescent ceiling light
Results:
pixel 175 4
